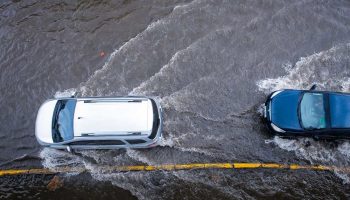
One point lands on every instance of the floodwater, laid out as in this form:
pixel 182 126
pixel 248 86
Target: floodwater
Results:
pixel 210 62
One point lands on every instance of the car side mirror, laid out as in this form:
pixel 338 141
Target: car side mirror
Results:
pixel 313 87
pixel 73 95
pixel 69 149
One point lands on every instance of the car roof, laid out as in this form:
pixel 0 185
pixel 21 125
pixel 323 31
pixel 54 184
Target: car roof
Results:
pixel 340 110
pixel 339 103
pixel 112 116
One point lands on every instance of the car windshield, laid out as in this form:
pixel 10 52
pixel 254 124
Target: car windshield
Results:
pixel 62 123
pixel 312 111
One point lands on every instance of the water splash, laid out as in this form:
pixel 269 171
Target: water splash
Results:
pixel 54 159
pixel 321 69
pixel 307 148
pixel 66 93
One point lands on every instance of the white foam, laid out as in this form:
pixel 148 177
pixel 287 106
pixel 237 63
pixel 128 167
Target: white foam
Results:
pixel 167 141
pixel 308 71
pixel 66 93
pixel 344 149
pixel 345 84
pixel 194 149
pixel 307 148
pixel 260 110
pixel 54 159
pixel 135 154
pixel 344 176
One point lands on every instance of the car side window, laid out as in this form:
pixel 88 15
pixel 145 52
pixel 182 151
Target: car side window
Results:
pixel 97 142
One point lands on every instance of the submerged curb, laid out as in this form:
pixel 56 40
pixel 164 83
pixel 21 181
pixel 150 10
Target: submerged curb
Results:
pixel 171 167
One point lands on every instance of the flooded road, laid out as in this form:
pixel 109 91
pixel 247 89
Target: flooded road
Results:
pixel 211 64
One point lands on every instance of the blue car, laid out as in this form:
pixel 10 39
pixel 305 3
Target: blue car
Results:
pixel 310 113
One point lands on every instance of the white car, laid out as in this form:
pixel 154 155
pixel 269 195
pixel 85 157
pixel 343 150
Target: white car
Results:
pixel 99 123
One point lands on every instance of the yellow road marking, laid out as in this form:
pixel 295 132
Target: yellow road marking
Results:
pixel 274 165
pixel 246 165
pixel 219 165
pixel 13 171
pixel 169 167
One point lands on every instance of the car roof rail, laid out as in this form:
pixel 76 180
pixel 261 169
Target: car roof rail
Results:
pixel 113 100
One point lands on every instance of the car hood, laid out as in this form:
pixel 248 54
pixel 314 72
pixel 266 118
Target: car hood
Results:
pixel 284 110
pixel 43 124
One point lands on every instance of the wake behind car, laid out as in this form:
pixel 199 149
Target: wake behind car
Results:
pixel 99 123
pixel 310 113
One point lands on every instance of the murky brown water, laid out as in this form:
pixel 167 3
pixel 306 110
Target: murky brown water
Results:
pixel 212 64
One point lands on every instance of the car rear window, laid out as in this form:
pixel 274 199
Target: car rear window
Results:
pixel 98 142
pixel 339 110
